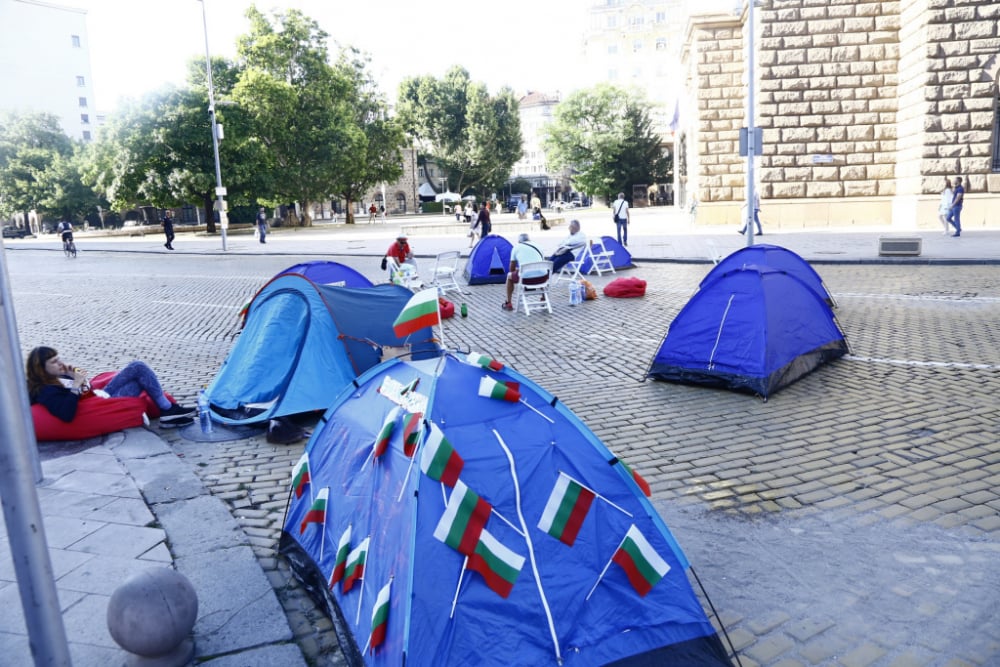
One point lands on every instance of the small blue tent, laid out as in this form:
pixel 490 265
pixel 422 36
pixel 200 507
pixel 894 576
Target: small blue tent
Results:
pixel 302 343
pixel 751 329
pixel 324 272
pixel 488 261
pixel 542 506
pixel 621 258
pixel 775 257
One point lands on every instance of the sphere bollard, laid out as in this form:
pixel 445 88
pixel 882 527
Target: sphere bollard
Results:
pixel 151 616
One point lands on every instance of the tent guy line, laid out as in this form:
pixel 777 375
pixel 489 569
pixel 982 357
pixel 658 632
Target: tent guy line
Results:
pixel 924 364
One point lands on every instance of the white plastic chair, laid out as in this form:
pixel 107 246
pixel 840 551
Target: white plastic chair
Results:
pixel 571 270
pixel 601 258
pixel 403 275
pixel 534 296
pixel 445 272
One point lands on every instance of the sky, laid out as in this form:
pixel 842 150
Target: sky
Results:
pixel 138 45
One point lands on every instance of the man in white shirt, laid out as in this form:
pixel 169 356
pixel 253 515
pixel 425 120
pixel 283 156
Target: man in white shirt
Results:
pixel 621 216
pixel 565 252
pixel 525 252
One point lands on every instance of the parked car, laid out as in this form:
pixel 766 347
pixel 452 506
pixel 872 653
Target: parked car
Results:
pixel 12 232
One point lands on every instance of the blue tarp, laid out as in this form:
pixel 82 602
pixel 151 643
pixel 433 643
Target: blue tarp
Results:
pixel 514 453
pixel 302 343
pixel 329 273
pixel 775 257
pixel 488 261
pixel 752 329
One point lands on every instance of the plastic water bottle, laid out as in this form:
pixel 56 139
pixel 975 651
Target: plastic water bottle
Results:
pixel 204 416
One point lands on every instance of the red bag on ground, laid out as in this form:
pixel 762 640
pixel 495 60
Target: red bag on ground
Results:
pixel 625 288
pixel 446 307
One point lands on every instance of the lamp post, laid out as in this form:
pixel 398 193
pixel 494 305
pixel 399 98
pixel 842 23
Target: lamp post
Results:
pixel 220 192
pixel 751 128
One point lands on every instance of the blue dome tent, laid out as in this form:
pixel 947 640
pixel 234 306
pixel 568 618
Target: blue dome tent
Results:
pixel 302 343
pixel 621 258
pixel 488 261
pixel 452 513
pixel 324 272
pixel 752 329
pixel 775 257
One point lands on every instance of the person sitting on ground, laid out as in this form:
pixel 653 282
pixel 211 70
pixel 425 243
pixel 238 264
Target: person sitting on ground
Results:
pixel 565 253
pixel 525 252
pixel 59 387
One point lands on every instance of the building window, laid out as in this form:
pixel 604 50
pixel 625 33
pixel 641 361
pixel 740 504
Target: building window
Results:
pixel 86 135
pixel 612 49
pixel 85 118
pixel 996 124
pixel 80 81
pixel 83 102
pixel 75 40
pixel 612 21
pixel 661 17
pixel 637 46
pixel 612 75
pixel 661 43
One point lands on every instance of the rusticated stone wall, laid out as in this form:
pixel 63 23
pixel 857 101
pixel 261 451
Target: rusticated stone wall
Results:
pixel 866 106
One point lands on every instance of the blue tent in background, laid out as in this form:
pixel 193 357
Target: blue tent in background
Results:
pixel 775 257
pixel 621 258
pixel 488 261
pixel 329 273
pixel 752 329
pixel 302 343
pixel 494 536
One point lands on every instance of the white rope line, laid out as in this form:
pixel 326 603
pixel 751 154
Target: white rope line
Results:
pixel 957 299
pixel 924 364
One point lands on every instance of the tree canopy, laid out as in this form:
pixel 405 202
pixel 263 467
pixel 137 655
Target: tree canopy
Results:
pixel 473 136
pixel 605 136
pixel 36 158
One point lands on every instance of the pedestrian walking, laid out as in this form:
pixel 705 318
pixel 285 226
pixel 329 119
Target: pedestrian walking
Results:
pixel 944 208
pixel 168 230
pixel 372 210
pixel 756 215
pixel 955 217
pixel 622 217
pixel 482 224
pixel 262 225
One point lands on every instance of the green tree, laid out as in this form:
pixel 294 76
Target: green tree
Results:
pixel 605 136
pixel 473 136
pixel 30 145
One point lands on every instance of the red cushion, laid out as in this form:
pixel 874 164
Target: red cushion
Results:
pixel 624 288
pixel 94 416
pixel 447 308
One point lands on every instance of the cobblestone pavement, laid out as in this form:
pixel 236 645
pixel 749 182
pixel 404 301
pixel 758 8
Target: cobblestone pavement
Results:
pixel 852 519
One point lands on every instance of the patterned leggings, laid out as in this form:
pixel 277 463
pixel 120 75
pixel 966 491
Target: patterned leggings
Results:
pixel 134 379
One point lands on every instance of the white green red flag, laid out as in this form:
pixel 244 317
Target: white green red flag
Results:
pixel 477 359
pixel 317 512
pixel 438 459
pixel 380 617
pixel 340 564
pixel 300 475
pixel 639 479
pixel 385 433
pixel 463 520
pixel 566 509
pixel 419 312
pixel 641 563
pixel 505 391
pixel 411 432
pixel 355 567
pixel 498 564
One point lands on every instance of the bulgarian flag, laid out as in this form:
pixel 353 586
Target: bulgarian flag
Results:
pixel 505 391
pixel 300 475
pixel 343 549
pixel 498 564
pixel 639 479
pixel 566 509
pixel 385 434
pixel 355 568
pixel 463 520
pixel 316 513
pixel 419 312
pixel 411 432
pixel 380 617
pixel 477 359
pixel 640 561
pixel 439 460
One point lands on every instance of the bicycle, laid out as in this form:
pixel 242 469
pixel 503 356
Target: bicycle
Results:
pixel 69 248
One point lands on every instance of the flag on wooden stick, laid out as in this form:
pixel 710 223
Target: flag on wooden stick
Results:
pixel 438 459
pixel 498 564
pixel 317 512
pixel 566 509
pixel 419 312
pixel 463 520
pixel 300 475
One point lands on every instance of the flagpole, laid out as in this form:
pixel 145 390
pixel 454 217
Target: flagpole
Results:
pixel 537 411
pixel 597 495
pixel 409 468
pixel 454 600
pixel 531 548
pixel 357 617
pixel 437 304
pixel 605 570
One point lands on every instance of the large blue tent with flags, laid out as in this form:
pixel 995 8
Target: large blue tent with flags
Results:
pixel 488 261
pixel 302 343
pixel 325 272
pixel 449 511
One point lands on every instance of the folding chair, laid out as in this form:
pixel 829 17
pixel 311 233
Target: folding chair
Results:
pixel 533 293
pixel 601 258
pixel 446 271
pixel 571 270
pixel 403 275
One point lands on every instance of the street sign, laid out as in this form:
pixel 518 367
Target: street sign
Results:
pixel 758 141
pixel 220 192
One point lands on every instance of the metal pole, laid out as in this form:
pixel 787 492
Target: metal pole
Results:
pixel 22 514
pixel 751 129
pixel 219 190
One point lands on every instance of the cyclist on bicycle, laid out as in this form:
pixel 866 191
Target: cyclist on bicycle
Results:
pixel 65 228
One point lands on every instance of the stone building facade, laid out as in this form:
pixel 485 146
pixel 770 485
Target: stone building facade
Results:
pixel 866 107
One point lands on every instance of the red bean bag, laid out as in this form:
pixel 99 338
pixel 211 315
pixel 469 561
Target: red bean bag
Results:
pixel 446 307
pixel 625 288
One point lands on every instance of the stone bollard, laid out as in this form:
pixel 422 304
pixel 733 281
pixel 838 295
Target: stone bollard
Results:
pixel 151 616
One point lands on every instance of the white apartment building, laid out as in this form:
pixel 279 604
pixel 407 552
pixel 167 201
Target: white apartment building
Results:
pixel 536 111
pixel 45 64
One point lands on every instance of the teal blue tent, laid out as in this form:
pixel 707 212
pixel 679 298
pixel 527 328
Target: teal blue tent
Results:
pixel 302 343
